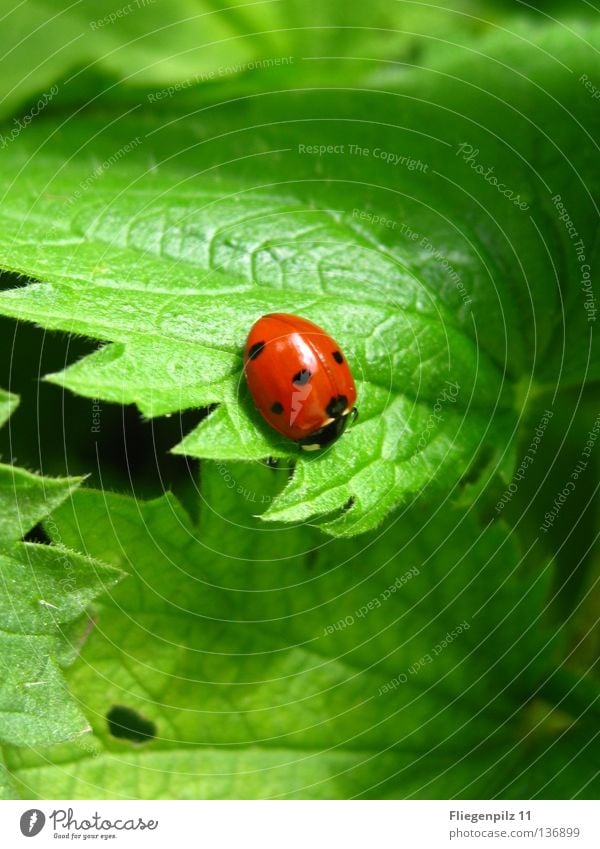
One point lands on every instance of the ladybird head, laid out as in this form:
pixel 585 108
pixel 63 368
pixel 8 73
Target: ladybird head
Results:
pixel 337 411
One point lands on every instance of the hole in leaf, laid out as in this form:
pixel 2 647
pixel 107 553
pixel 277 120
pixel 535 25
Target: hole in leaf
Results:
pixel 37 534
pixel 127 724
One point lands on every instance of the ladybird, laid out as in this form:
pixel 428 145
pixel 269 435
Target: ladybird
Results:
pixel 299 379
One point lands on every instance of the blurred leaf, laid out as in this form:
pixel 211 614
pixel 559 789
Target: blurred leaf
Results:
pixel 574 747
pixel 94 48
pixel 7 787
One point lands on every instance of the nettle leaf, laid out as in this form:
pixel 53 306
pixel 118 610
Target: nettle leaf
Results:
pixel 247 662
pixel 44 593
pixel 168 234
pixel 179 333
pixel 8 404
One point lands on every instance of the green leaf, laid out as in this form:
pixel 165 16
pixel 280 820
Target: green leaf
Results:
pixel 283 664
pixel 8 404
pixel 44 594
pixel 170 250
pixel 564 765
pixel 7 787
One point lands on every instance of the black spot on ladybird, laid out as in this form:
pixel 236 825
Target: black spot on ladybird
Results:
pixel 277 408
pixel 337 357
pixel 336 406
pixel 302 377
pixel 256 350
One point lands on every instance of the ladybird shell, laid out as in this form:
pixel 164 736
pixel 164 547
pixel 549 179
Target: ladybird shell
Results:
pixel 299 378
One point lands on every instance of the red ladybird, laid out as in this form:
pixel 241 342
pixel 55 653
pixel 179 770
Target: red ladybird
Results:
pixel 299 379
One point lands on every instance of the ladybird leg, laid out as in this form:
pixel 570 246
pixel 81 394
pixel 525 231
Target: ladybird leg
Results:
pixel 354 412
